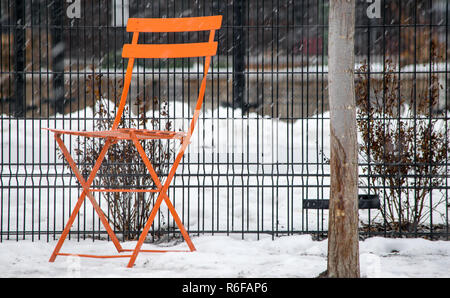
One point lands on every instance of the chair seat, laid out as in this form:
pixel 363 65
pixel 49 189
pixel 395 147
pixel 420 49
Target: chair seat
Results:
pixel 124 133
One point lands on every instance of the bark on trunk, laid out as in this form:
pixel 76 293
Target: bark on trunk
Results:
pixel 343 248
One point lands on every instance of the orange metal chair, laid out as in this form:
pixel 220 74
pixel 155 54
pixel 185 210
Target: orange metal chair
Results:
pixel 133 51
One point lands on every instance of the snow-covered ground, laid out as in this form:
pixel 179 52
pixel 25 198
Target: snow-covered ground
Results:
pixel 227 256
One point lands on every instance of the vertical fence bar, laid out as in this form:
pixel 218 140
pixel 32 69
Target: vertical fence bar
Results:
pixel 57 54
pixel 239 50
pixel 19 54
pixel 446 119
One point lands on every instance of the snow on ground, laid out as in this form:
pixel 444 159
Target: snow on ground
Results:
pixel 227 256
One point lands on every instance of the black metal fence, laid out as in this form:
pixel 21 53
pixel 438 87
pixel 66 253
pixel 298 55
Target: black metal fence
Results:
pixel 259 157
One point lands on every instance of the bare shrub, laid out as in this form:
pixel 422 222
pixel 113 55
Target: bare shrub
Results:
pixel 405 145
pixel 123 167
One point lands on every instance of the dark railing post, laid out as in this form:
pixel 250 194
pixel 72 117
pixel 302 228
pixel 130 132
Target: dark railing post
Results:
pixel 239 45
pixel 19 63
pixel 57 54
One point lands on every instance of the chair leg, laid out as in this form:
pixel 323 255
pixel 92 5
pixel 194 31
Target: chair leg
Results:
pixel 149 223
pixel 145 231
pixel 67 227
pixel 162 196
pixel 86 192
pixel 178 222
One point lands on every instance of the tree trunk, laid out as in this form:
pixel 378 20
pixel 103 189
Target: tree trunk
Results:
pixel 343 248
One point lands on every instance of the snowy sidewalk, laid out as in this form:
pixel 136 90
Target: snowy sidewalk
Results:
pixel 227 256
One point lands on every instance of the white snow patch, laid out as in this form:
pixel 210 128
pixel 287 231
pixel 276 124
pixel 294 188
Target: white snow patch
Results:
pixel 227 256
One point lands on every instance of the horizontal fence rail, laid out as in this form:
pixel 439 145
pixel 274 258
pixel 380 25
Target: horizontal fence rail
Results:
pixel 259 159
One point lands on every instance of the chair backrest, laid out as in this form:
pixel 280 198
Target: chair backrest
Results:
pixel 184 50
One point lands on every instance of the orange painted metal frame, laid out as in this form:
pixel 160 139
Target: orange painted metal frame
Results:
pixel 133 51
